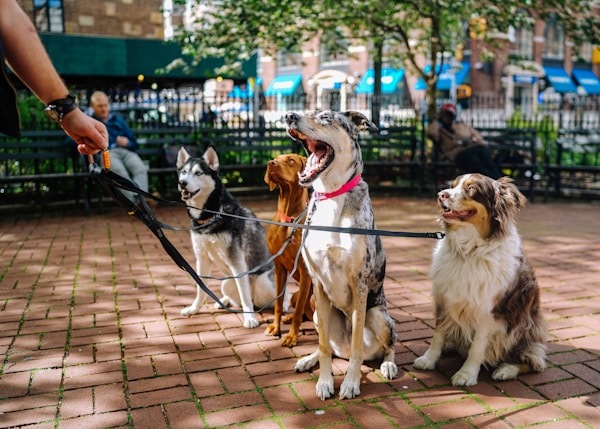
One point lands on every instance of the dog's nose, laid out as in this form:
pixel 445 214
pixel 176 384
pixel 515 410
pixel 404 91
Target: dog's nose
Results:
pixel 183 183
pixel 443 195
pixel 291 117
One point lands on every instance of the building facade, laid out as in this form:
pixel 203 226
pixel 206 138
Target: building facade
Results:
pixel 117 18
pixel 532 69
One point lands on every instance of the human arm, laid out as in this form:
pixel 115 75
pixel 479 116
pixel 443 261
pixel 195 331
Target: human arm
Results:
pixel 475 136
pixel 27 57
pixel 433 130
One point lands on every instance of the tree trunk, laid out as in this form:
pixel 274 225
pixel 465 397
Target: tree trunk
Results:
pixel 376 98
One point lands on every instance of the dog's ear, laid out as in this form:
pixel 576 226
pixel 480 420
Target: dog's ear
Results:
pixel 182 156
pixel 211 158
pixel 510 191
pixel 508 201
pixel 360 120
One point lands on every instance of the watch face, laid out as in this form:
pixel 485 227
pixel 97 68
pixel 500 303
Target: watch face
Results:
pixel 52 114
pixel 57 109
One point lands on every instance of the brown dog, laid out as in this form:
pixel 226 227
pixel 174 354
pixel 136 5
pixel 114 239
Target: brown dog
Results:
pixel 283 172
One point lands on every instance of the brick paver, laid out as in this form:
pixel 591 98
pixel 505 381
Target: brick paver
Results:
pixel 91 333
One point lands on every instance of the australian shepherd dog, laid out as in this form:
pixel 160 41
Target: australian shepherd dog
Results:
pixel 487 299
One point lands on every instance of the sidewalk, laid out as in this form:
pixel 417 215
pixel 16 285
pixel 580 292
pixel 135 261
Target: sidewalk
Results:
pixel 92 336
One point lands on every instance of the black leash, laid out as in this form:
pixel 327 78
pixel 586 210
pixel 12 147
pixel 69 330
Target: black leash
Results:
pixel 111 181
pixel 126 184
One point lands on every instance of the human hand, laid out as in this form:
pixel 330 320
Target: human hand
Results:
pixel 122 141
pixel 90 134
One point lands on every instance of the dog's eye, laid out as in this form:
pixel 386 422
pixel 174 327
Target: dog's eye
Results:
pixel 198 173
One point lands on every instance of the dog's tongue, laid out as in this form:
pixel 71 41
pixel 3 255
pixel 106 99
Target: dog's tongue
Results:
pixel 314 163
pixel 463 214
pixel 312 166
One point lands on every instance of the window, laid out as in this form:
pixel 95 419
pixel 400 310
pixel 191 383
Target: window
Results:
pixel 288 60
pixel 48 15
pixel 554 39
pixel 522 39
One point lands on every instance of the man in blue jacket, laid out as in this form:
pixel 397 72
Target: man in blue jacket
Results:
pixel 122 144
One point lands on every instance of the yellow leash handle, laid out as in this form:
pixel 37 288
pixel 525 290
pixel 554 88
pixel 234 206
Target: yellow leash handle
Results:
pixel 106 159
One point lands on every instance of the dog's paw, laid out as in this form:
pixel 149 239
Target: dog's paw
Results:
pixel 188 311
pixel 325 387
pixel 287 319
pixel 464 378
pixel 389 370
pixel 506 371
pixel 250 322
pixel 424 362
pixel 349 388
pixel 272 330
pixel 290 340
pixel 307 362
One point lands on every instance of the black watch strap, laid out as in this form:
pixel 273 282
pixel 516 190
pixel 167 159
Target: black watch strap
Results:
pixel 57 109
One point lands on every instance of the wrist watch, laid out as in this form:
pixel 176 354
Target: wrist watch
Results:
pixel 57 109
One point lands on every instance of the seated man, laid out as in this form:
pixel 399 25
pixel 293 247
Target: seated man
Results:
pixel 462 144
pixel 122 144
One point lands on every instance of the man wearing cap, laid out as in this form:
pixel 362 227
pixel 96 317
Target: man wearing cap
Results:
pixel 462 144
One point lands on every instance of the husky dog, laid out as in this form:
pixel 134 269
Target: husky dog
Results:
pixel 235 245
pixel 487 299
pixel 347 269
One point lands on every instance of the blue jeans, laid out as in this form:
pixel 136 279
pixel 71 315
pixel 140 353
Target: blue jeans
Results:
pixel 128 164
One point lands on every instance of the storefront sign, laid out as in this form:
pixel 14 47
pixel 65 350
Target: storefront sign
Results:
pixel 524 79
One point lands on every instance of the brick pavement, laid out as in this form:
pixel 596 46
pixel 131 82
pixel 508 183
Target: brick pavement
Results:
pixel 92 337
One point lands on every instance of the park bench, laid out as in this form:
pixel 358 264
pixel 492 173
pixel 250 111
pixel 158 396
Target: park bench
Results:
pixel 245 152
pixel 514 149
pixel 392 155
pixel 572 163
pixel 39 167
pixel 389 154
pixel 158 147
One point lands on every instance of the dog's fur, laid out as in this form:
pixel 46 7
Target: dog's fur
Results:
pixel 486 296
pixel 234 245
pixel 347 270
pixel 282 172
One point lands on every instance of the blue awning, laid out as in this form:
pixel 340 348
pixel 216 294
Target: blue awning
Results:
pixel 390 80
pixel 240 93
pixel 588 80
pixel 284 85
pixel 248 92
pixel 559 79
pixel 444 82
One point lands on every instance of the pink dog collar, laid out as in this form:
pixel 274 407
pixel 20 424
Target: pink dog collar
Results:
pixel 346 188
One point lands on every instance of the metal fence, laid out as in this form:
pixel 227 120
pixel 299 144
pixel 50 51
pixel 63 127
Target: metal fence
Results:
pixel 191 106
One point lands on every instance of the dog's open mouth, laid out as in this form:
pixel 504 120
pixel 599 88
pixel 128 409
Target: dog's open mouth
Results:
pixel 320 155
pixel 457 214
pixel 186 195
